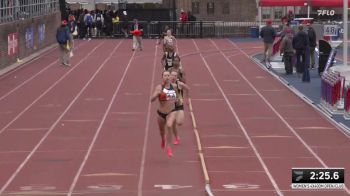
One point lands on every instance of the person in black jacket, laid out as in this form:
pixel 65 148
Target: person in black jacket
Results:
pixel 301 47
pixel 268 34
pixel 312 43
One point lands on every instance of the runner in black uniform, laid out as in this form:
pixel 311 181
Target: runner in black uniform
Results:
pixel 179 104
pixel 166 94
pixel 177 67
pixel 168 57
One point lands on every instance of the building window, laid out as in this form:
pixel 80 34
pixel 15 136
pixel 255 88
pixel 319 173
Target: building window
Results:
pixel 195 7
pixel 265 13
pixel 210 8
pixel 278 12
pixel 226 8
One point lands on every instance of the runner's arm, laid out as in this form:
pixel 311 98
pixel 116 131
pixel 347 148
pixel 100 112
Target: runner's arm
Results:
pixel 156 93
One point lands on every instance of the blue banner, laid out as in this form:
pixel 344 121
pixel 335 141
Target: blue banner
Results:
pixel 29 37
pixel 41 30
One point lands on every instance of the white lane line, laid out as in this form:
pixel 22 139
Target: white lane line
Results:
pixel 81 120
pixel 229 80
pixel 20 167
pixel 207 99
pixel 273 136
pixel 315 128
pixel 278 114
pixel 29 79
pixel 28 129
pixel 261 118
pixel 229 171
pixel 127 113
pixel 94 99
pixel 226 147
pixel 28 62
pixel 241 94
pixel 145 142
pixel 77 175
pixel 49 89
pixel 241 125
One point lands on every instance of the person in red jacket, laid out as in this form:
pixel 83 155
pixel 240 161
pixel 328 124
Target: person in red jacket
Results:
pixel 184 20
pixel 136 31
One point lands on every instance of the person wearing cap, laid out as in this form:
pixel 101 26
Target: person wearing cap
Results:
pixel 268 34
pixel 63 38
pixel 286 48
pixel 312 43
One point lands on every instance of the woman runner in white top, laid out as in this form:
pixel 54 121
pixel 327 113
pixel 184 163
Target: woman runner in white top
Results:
pixel 169 39
pixel 166 95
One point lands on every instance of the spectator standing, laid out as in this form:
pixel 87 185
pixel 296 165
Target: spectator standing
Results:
pixel 312 42
pixel 286 48
pixel 183 20
pixel 136 31
pixel 99 23
pixel 268 34
pixel 81 24
pixel 108 23
pixel 88 20
pixel 301 45
pixel 63 38
pixel 115 21
pixel 73 32
pixel 72 25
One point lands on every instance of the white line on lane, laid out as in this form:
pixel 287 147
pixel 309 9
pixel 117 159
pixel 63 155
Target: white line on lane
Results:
pixel 29 79
pixel 241 125
pixel 49 89
pixel 145 141
pixel 276 112
pixel 77 175
pixel 20 167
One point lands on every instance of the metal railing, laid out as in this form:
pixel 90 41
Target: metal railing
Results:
pixel 13 10
pixel 195 29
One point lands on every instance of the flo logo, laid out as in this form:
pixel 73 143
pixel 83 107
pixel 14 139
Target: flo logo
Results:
pixel 298 175
pixel 325 12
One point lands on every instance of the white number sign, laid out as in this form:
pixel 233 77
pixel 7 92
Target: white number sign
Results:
pixel 330 30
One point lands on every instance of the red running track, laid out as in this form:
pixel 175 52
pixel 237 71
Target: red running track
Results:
pixel 90 129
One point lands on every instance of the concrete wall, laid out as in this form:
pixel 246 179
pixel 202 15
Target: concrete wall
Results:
pixel 22 38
